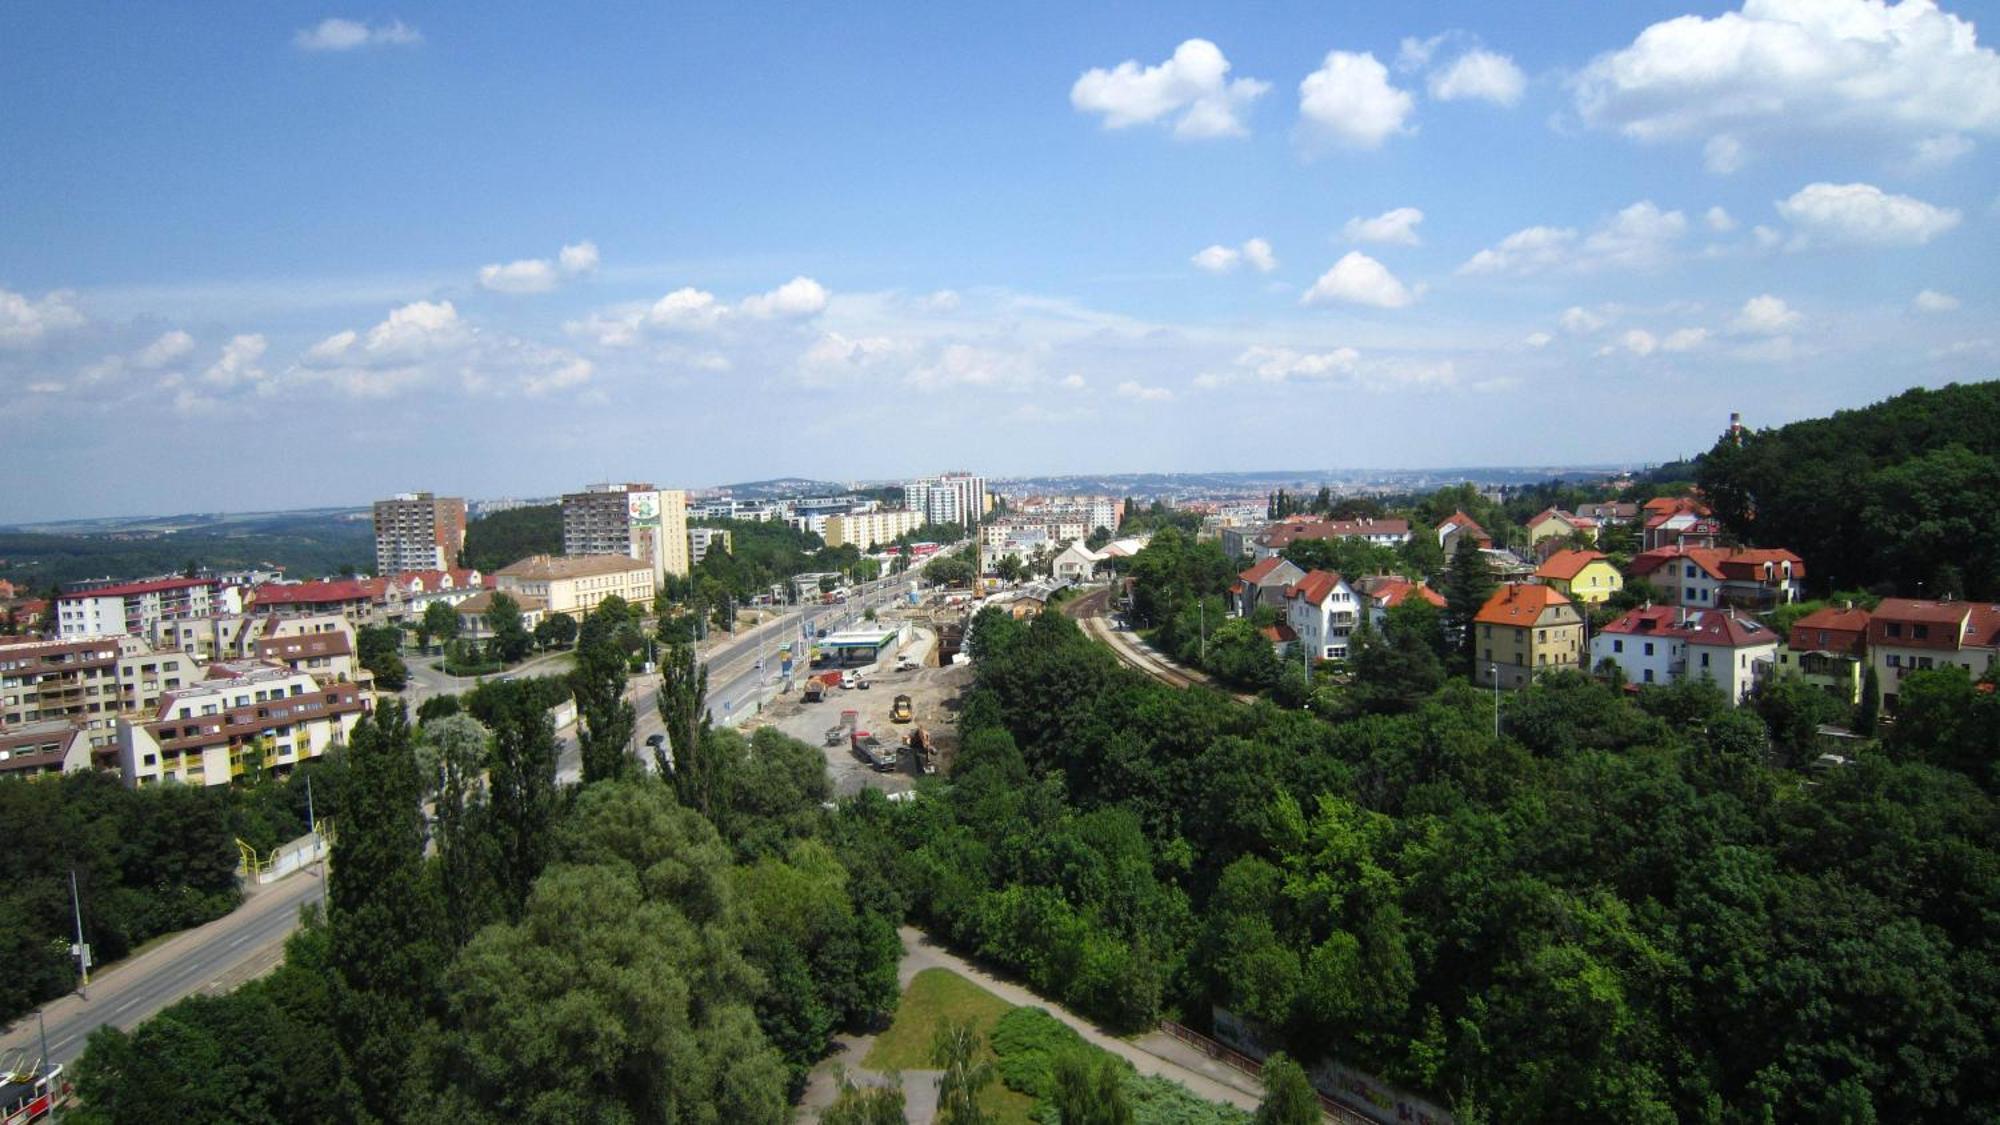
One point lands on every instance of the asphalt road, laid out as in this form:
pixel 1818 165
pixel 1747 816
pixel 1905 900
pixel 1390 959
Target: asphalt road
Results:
pixel 213 958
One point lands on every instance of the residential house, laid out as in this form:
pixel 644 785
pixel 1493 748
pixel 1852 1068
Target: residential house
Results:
pixel 1829 649
pixel 1663 644
pixel 1610 512
pixel 1384 592
pixel 327 657
pixel 1077 563
pixel 43 747
pixel 1322 610
pixel 1506 565
pixel 1646 644
pixel 207 733
pixel 1275 538
pixel 472 613
pixel 1584 576
pixel 1458 526
pixel 1756 579
pixel 1678 521
pixel 1558 525
pixel 1523 631
pixel 1264 584
pixel 1906 635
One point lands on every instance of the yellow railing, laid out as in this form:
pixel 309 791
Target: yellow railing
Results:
pixel 254 867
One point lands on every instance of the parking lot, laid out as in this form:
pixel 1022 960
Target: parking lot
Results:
pixel 934 697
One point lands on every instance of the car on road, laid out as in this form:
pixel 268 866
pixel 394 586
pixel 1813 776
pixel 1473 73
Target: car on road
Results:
pixel 905 664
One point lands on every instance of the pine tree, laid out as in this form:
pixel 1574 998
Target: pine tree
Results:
pixel 1871 702
pixel 1468 582
pixel 599 685
pixel 683 702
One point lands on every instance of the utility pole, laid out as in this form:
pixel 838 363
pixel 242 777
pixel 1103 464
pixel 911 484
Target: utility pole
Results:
pixel 1201 614
pixel 1496 699
pixel 82 950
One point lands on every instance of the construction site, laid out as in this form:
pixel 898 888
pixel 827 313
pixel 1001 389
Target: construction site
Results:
pixel 885 723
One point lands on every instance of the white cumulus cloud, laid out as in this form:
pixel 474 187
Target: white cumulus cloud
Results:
pixel 1133 389
pixel 1217 258
pixel 1276 365
pixel 799 297
pixel 1863 214
pixel 1350 102
pixel 347 35
pixel 1639 237
pixel 1361 280
pixel 1766 315
pixel 1538 339
pixel 539 275
pixel 1777 70
pixel 1192 89
pixel 25 322
pixel 1398 226
pixel 1480 74
pixel 239 363
pixel 1931 300
pixel 1580 321
pixel 1222 259
pixel 1684 340
pixel 1719 220
pixel 171 347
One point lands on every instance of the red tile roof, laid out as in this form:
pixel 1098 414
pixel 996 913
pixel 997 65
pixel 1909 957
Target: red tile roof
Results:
pixel 1519 605
pixel 1282 535
pixel 323 592
pixel 1845 629
pixel 1964 624
pixel 128 589
pixel 1314 587
pixel 1564 566
pixel 1570 518
pixel 1281 634
pixel 1741 564
pixel 1394 591
pixel 1262 570
pixel 1712 627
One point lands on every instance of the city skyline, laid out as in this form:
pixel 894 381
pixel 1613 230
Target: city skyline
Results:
pixel 425 246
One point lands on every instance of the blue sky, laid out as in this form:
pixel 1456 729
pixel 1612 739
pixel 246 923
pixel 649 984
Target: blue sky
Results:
pixel 267 255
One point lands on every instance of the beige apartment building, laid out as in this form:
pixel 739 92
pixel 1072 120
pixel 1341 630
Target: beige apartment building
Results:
pixel 1524 630
pixel 574 585
pixel 207 734
pixel 869 530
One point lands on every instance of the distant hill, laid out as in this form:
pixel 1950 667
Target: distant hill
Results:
pixel 306 544
pixel 782 487
pixel 1899 497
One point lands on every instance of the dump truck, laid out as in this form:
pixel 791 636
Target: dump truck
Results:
pixel 922 750
pixel 848 721
pixel 900 711
pixel 813 692
pixel 869 749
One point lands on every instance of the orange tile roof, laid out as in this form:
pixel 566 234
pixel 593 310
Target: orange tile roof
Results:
pixel 1564 566
pixel 1393 592
pixel 1519 605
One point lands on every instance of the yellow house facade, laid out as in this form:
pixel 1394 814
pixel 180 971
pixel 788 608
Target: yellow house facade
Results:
pixel 1582 576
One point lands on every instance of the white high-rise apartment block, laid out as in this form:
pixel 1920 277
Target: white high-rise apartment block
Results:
pixel 635 520
pixel 958 498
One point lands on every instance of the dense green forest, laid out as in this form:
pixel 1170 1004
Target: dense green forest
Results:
pixel 496 540
pixel 1898 496
pixel 147 862
pixel 307 545
pixel 1612 912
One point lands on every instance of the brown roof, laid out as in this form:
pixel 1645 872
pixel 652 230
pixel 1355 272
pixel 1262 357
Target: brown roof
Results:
pixel 1392 592
pixel 1519 605
pixel 543 568
pixel 304 646
pixel 1728 628
pixel 1846 629
pixel 1564 566
pixel 1281 633
pixel 1282 535
pixel 482 601
pixel 324 592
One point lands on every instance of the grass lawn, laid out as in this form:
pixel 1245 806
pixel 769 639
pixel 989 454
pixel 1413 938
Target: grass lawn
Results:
pixel 935 997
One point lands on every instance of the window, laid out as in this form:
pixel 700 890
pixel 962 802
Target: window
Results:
pixel 1541 634
pixel 1689 572
pixel 1704 660
pixel 1920 632
pixel 1893 628
pixel 1895 661
pixel 1649 648
pixel 1617 646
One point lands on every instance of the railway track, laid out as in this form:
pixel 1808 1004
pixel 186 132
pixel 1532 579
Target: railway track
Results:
pixel 1089 612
